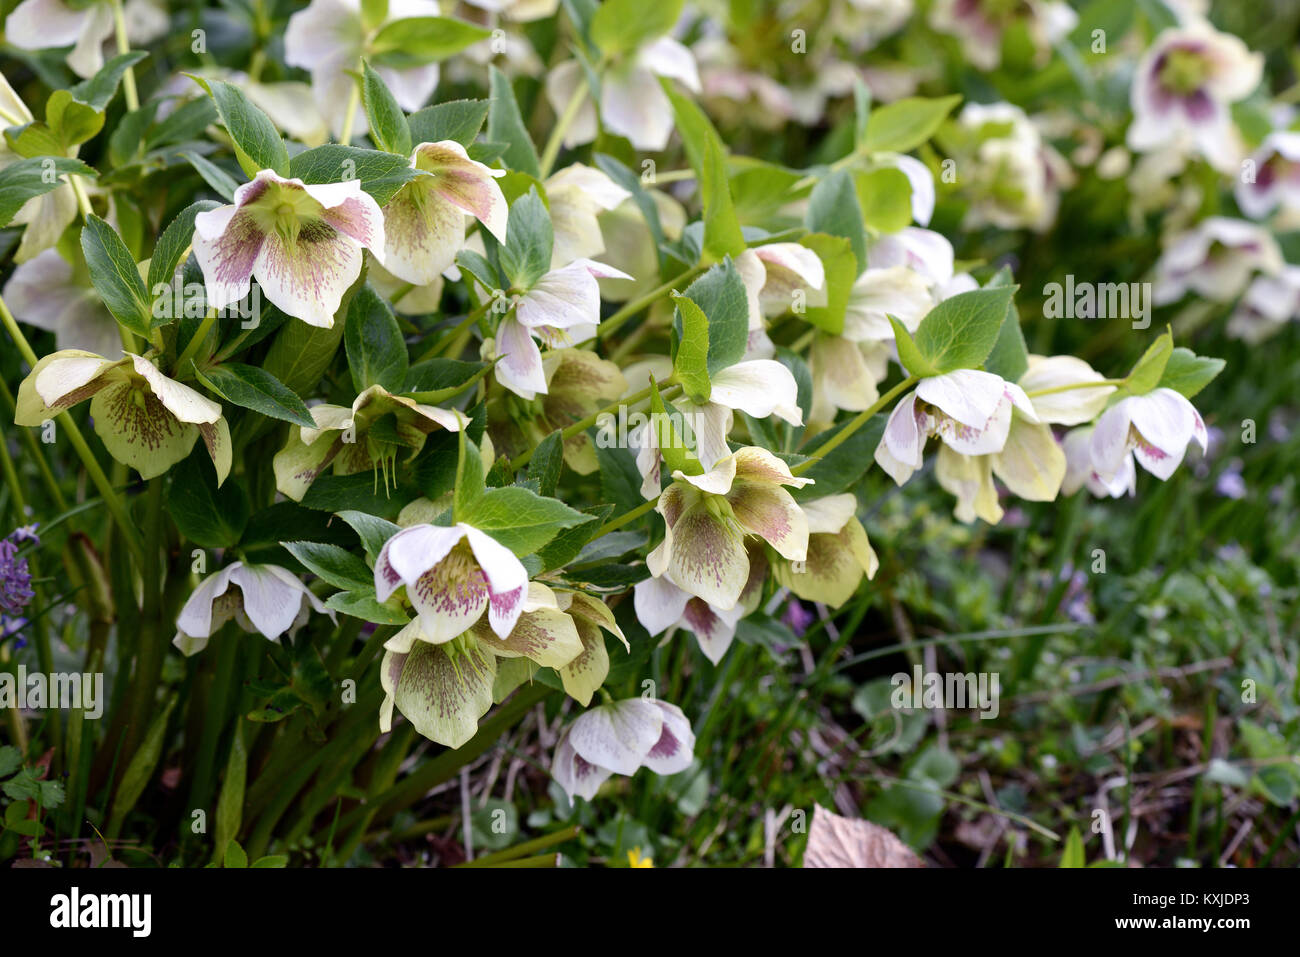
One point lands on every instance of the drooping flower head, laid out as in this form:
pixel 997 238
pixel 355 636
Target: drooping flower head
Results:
pixel 302 243
pixel 146 420
pixel 1276 180
pixel 452 575
pixel 839 553
pixel 48 293
pixel 1154 429
pixel 620 738
pixel 261 599
pixel 84 26
pixel 1215 259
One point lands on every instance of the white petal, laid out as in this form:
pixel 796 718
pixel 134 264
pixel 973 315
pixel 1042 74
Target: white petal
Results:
pixel 618 736
pixel 659 604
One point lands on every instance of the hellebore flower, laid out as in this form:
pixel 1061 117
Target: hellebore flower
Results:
pixel 578 384
pixel 588 671
pixel 1080 471
pixel 46 292
pixel 979 24
pixel 301 243
pixel 561 308
pixel 1277 176
pixel 264 599
pixel 366 436
pixel 442 689
pixel 969 410
pixel 773 275
pixel 1031 463
pixel 86 27
pixel 632 103
pixel 1215 259
pixel 424 224
pixel 577 195
pixel 1269 303
pixel 452 574
pixel 839 553
pixel 757 387
pixel 661 605
pixel 620 738
pixel 708 516
pixel 1183 90
pixel 329 38
pixel 1154 429
pixel 146 420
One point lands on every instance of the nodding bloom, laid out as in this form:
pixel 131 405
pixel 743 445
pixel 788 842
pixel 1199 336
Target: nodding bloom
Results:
pixel 1276 179
pixel 1269 303
pixel 442 689
pixel 561 308
pixel 303 244
pixel 839 553
pixel 621 738
pixel 1215 259
pixel 146 420
pixel 772 275
pixel 452 575
pixel 424 223
pixel 1031 463
pixel 969 410
pixel 632 103
pixel 343 438
pixel 661 605
pixel 1183 92
pixel 1080 470
pixel 979 24
pixel 84 26
pixel 262 599
pixel 328 39
pixel 46 292
pixel 707 517
pixel 577 195
pixel 1154 429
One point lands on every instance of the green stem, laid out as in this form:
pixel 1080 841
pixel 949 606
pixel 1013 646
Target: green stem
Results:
pixel 354 101
pixel 857 422
pixel 196 341
pixel 582 425
pixel 562 124
pixel 1098 384
pixel 625 518
pixel 149 651
pixel 124 46
pixel 610 325
pixel 471 317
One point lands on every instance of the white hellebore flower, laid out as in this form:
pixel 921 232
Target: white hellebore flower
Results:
pixel 301 243
pixel 146 420
pixel 969 410
pixel 1276 176
pixel 661 605
pixel 561 308
pixel 706 519
pixel 839 553
pixel 452 574
pixel 620 738
pixel 632 103
pixel 1215 259
pixel 1079 470
pixel 86 27
pixel 424 224
pixel 1269 303
pixel 1184 88
pixel 773 275
pixel 577 195
pixel 1154 429
pixel 44 292
pixel 266 599
pixel 328 39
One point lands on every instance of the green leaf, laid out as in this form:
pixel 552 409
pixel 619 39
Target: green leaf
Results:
pixel 388 127
pixel 961 331
pixel 332 564
pixel 885 198
pixel 676 453
pixel 445 376
pixel 1010 356
pixel 251 387
pixel 143 762
pixel 1073 855
pixel 841 267
pixel 230 803
pixel 375 348
pixel 519 518
pixel 720 294
pixel 235 856
pixel 70 120
pixel 32 177
pixel 469 476
pixel 1150 369
pixel 100 89
pixel 691 364
pixel 204 514
pixel 11 759
pixel 258 145
pixel 1187 373
pixel 172 245
pixel 905 124
pixel 364 606
pixel 506 125
pixel 417 41
pixel 372 530
pixel 526 255
pixel 381 174
pixel 622 25
pixel 908 353
pixel 221 182
pixel 458 120
pixel 834 208
pixel 722 233
pixel 115 276
pixel 547 462
pixel 476 265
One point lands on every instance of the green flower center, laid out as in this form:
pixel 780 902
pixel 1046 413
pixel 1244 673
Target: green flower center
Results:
pixel 1183 72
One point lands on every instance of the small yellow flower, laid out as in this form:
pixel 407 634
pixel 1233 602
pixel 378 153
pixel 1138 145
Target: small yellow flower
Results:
pixel 634 859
